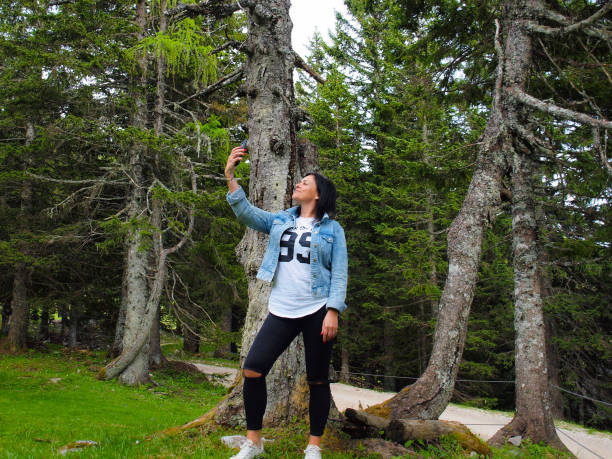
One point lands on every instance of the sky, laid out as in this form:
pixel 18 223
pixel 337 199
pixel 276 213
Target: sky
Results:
pixel 311 15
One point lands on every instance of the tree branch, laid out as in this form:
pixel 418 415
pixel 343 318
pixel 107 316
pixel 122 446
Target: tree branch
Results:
pixel 73 182
pixel 300 63
pixel 238 45
pixel 225 81
pixel 214 8
pixel 555 110
pixel 568 26
pixel 601 149
pixel 592 56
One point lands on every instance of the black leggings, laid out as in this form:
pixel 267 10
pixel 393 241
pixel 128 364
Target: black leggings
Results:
pixel 274 336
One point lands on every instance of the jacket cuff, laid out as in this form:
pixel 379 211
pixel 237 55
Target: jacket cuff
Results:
pixel 337 305
pixel 236 196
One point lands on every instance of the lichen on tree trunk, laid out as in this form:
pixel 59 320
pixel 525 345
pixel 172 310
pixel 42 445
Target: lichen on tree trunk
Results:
pixel 533 418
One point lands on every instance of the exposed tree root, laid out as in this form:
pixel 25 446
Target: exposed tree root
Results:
pixel 536 432
pixel 207 419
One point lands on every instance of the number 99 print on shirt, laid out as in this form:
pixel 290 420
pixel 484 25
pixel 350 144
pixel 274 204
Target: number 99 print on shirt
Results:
pixel 288 246
pixel 291 294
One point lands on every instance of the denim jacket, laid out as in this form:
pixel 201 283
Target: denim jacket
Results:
pixel 328 255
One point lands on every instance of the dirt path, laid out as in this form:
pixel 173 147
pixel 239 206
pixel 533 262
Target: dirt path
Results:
pixel 484 423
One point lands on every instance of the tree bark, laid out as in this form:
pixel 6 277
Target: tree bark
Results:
pixel 533 418
pixel 20 309
pixel 156 356
pixel 274 170
pixel 132 365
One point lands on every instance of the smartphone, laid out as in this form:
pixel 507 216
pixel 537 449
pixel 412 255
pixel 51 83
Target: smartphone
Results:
pixel 242 145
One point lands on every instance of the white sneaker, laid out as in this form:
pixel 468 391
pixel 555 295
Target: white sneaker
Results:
pixel 312 452
pixel 249 450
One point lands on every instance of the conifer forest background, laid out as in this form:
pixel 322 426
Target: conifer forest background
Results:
pixel 115 128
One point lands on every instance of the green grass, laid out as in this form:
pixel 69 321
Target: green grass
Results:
pixel 39 414
pixel 172 346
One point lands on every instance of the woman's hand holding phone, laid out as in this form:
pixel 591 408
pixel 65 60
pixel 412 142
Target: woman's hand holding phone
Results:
pixel 237 154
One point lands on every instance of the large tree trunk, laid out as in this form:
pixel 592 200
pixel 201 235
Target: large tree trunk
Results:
pixel 274 169
pixel 20 309
pixel 132 365
pixel 156 356
pixel 430 395
pixel 533 418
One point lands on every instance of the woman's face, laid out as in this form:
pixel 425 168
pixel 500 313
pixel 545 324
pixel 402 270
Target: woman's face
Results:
pixel 306 190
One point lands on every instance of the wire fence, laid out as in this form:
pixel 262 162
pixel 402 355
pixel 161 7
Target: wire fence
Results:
pixel 488 381
pixel 580 444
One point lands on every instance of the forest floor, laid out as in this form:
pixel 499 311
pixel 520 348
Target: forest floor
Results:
pixel 483 423
pixel 50 399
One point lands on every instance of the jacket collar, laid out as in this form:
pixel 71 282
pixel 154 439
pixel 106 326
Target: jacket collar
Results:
pixel 294 212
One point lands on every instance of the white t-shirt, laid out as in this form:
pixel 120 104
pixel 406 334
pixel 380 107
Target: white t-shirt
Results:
pixel 291 291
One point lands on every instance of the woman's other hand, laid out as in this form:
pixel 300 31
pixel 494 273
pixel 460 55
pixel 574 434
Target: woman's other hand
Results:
pixel 330 325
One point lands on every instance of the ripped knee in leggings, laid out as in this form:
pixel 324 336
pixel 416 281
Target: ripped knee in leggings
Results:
pixel 251 373
pixel 318 383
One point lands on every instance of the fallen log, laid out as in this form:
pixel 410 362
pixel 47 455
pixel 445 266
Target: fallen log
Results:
pixel 361 424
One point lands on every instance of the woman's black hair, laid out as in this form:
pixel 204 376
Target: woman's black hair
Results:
pixel 327 196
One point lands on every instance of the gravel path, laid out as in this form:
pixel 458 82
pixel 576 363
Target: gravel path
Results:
pixel 484 423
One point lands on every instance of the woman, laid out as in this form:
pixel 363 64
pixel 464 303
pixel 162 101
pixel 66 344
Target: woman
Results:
pixel 306 261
